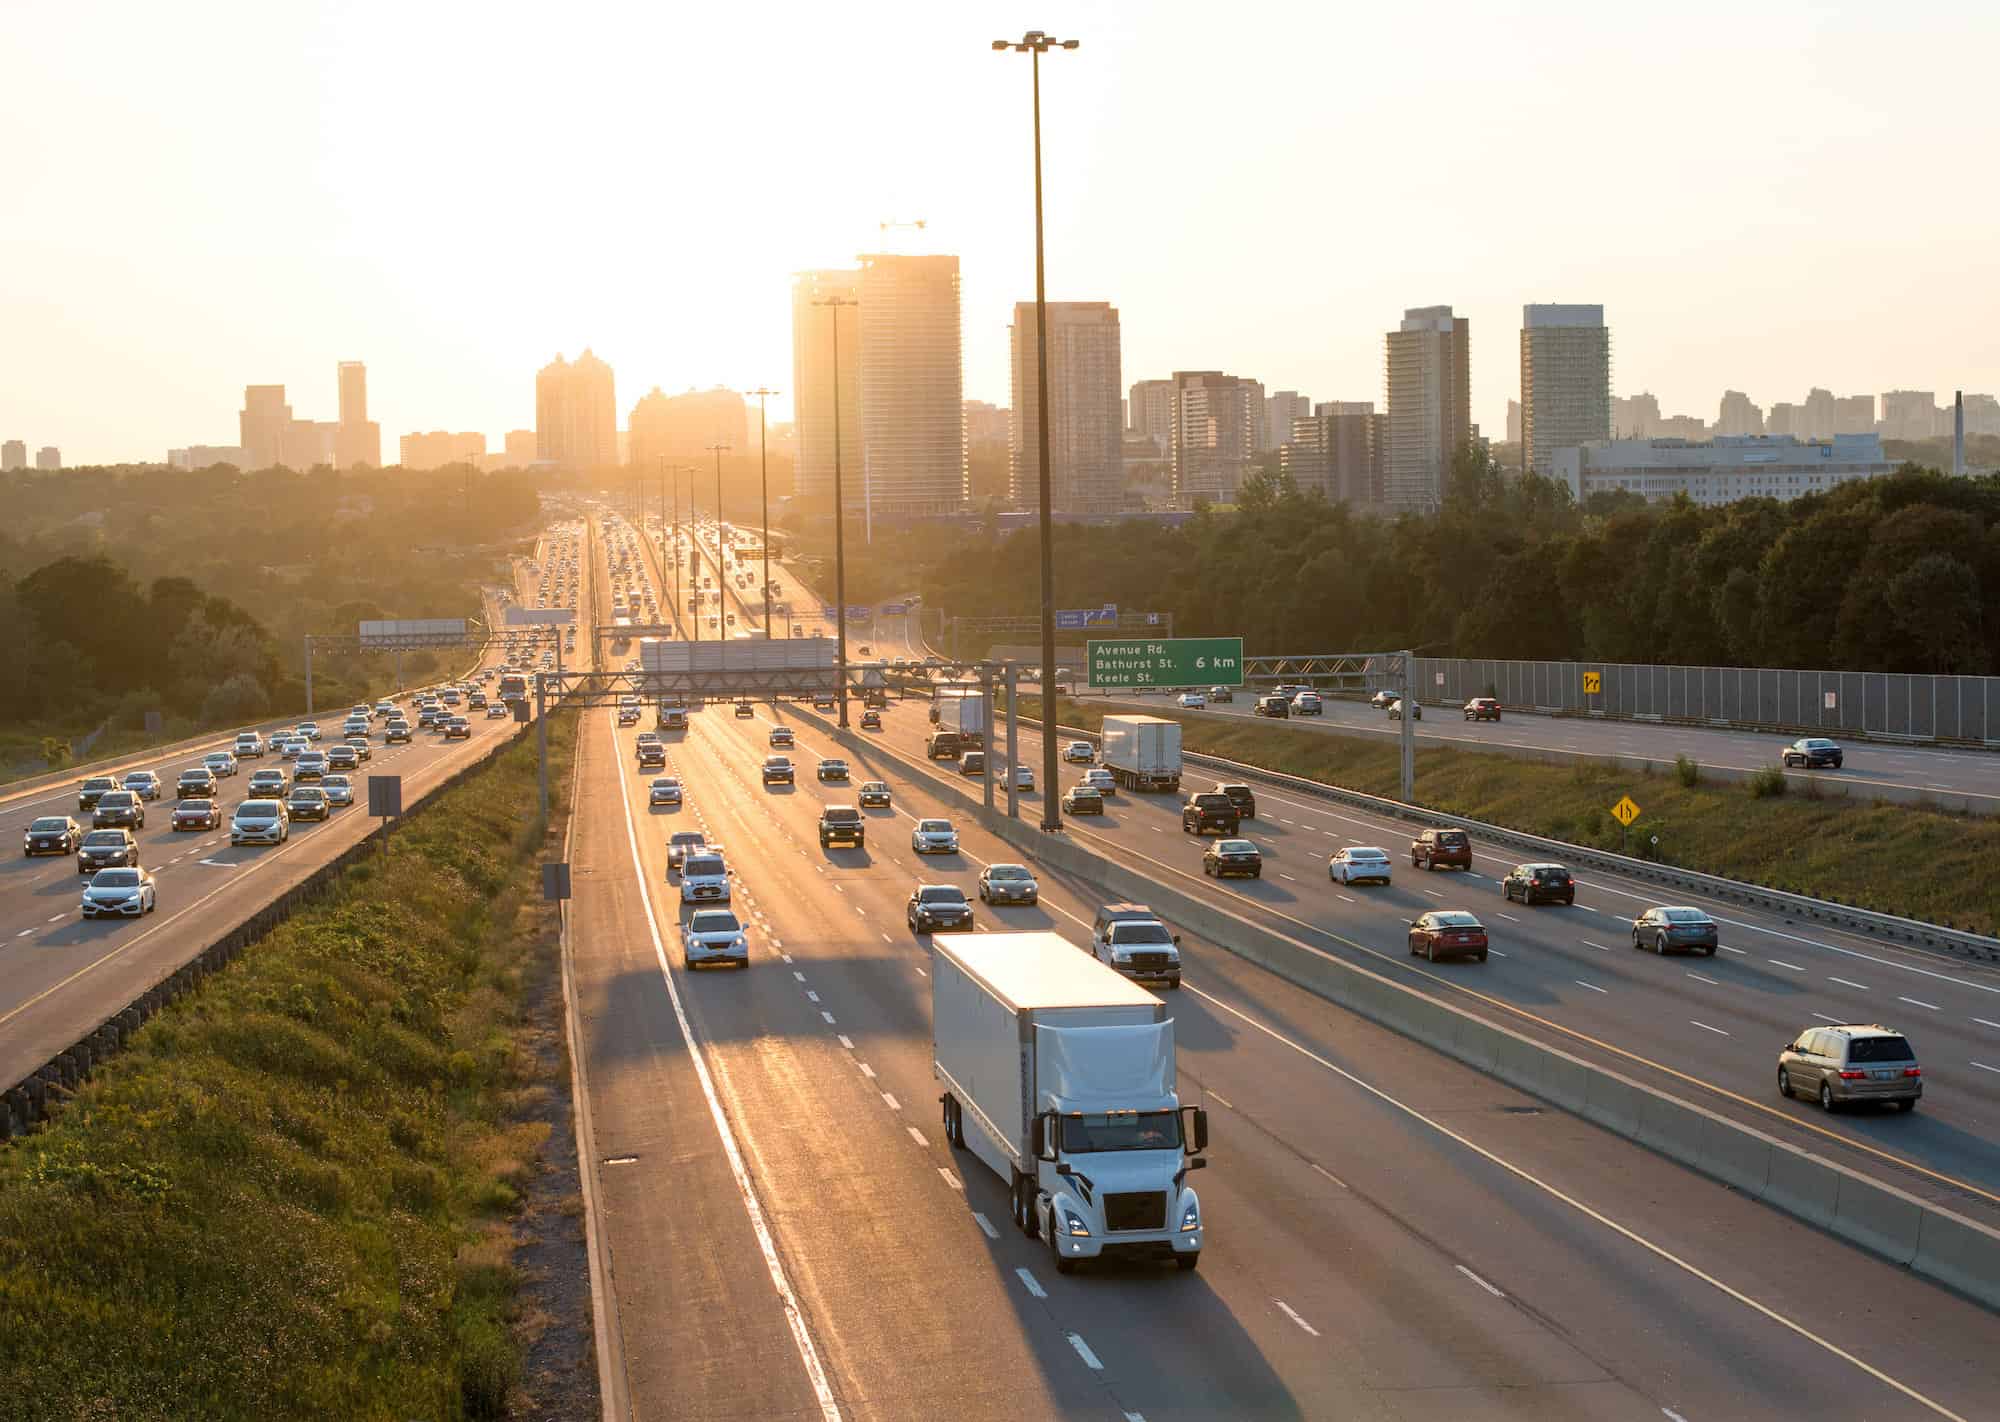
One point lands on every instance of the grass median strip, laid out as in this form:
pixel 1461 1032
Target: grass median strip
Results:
pixel 1921 862
pixel 298 1192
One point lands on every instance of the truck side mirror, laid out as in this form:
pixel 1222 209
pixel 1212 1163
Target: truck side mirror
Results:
pixel 1037 1132
pixel 1197 1127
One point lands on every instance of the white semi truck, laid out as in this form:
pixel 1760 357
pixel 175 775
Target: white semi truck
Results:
pixel 965 714
pixel 1059 1074
pixel 1143 752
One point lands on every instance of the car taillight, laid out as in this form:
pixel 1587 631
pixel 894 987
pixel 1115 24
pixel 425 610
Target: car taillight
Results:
pixel 1913 1071
pixel 1854 1076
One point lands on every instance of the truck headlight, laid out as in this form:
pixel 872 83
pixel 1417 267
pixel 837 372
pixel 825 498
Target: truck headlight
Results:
pixel 1191 1217
pixel 1075 1225
pixel 1120 955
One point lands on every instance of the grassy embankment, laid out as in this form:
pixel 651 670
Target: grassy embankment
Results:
pixel 291 1196
pixel 1906 859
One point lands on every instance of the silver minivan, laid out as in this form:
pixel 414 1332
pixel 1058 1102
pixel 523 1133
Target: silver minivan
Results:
pixel 1840 1066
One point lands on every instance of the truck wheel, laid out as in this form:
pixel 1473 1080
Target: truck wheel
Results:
pixel 1064 1264
pixel 1187 1262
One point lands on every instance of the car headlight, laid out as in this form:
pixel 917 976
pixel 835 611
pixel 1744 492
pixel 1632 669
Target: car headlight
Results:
pixel 1191 1217
pixel 1121 955
pixel 741 942
pixel 1075 1225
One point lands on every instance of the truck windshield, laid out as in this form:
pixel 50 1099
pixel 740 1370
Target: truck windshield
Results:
pixel 1132 1130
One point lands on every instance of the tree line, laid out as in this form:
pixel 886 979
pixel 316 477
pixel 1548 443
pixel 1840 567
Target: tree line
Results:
pixel 1894 574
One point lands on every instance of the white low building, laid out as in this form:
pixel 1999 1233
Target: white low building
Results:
pixel 1721 470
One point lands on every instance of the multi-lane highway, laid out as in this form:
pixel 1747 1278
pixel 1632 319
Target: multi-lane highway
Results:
pixel 1953 777
pixel 1391 1235
pixel 60 976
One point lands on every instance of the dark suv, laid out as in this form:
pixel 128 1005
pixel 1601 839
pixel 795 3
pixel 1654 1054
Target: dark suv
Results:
pixel 841 824
pixel 1441 849
pixel 1539 883
pixel 1241 797
pixel 1210 811
pixel 1272 706
pixel 118 809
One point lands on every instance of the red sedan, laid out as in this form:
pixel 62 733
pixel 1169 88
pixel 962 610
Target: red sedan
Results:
pixel 1448 933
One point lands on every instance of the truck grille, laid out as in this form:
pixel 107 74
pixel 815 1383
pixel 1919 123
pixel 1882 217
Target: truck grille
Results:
pixel 1136 1211
pixel 1151 962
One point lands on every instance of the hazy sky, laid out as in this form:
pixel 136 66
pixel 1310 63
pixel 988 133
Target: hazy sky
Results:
pixel 200 196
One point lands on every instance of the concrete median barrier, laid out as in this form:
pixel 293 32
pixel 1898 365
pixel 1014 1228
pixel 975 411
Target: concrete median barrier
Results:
pixel 1897 1226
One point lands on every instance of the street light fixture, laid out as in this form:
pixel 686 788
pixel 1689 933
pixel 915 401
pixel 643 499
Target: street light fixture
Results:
pixel 1035 44
pixel 764 486
pixel 834 303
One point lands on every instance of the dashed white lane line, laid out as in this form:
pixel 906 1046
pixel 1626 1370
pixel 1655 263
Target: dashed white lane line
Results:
pixel 1508 916
pixel 828 1016
pixel 1224 1100
pixel 1028 1280
pixel 1706 1028
pixel 891 1102
pixel 917 1136
pixel 1293 1315
pixel 867 1071
pixel 1434 893
pixel 1083 1351
pixel 1780 962
pixel 1741 953
pixel 1700 979
pixel 1598 946
pixel 1497 953
pixel 59 918
pixel 1983 1067
pixel 24 933
pixel 811 996
pixel 1479 1281
pixel 985 1225
pixel 799 975
pixel 861 911
pixel 844 1040
pixel 1847 982
pixel 1288 878
pixel 1824 1018
pixel 1343 898
pixel 1914 1002
pixel 1329 1175
pixel 952 1180
pixel 1592 986
pixel 1984 1023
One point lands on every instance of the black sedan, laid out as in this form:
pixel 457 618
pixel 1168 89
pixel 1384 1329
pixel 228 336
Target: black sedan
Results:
pixel 1812 753
pixel 196 815
pixel 938 906
pixel 1232 856
pixel 1675 929
pixel 51 834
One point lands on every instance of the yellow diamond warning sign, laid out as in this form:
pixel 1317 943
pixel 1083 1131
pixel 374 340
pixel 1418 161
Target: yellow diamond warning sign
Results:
pixel 1625 811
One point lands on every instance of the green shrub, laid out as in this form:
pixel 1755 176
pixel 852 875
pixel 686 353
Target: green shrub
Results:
pixel 1687 770
pixel 1767 783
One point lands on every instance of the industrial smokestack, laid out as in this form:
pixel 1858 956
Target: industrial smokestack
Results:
pixel 1958 434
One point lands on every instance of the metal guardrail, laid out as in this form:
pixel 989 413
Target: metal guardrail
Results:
pixel 1893 927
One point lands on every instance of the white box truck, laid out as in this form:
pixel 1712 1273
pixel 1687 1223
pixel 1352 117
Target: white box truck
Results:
pixel 965 715
pixel 1143 752
pixel 1059 1074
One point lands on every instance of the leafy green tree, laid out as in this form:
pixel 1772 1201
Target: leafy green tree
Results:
pixel 1937 609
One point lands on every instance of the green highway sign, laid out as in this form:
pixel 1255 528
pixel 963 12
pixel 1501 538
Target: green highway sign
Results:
pixel 1166 661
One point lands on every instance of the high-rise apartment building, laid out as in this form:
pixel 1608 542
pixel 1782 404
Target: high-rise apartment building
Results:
pixel 1280 409
pixel 1336 452
pixel 522 449
pixel 1565 380
pixel 357 440
pixel 1912 414
pixel 48 458
pixel 1739 415
pixel 986 424
pixel 440 448
pixel 13 455
pixel 685 426
pixel 817 332
pixel 1982 415
pixel 576 413
pixel 206 456
pixel 1635 416
pixel 1429 377
pixel 1513 422
pixel 262 424
pixel 1150 411
pixel 1853 414
pixel 1786 419
pixel 1086 435
pixel 1216 420
pixel 912 385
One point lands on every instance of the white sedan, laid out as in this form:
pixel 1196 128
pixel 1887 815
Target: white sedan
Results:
pixel 934 837
pixel 1079 753
pixel 1358 864
pixel 1193 701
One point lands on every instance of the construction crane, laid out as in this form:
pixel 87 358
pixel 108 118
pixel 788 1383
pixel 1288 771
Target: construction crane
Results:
pixel 884 228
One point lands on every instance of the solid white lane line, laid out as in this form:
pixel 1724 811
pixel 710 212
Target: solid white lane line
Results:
pixel 1479 1281
pixel 985 1225
pixel 766 1244
pixel 1033 1284
pixel 1592 986
pixel 1083 1352
pixel 917 1136
pixel 1706 1028
pixel 1929 1006
pixel 1293 1315
pixel 1595 1215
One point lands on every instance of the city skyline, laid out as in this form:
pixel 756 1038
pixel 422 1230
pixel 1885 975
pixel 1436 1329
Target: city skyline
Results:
pixel 119 367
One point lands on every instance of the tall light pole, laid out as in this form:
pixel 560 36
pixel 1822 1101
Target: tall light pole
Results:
pixel 1035 44
pixel 716 450
pixel 764 487
pixel 839 513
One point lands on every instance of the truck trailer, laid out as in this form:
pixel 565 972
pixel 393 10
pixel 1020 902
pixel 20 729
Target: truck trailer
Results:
pixel 1059 1074
pixel 965 714
pixel 1142 752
